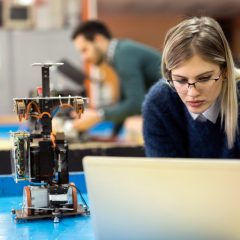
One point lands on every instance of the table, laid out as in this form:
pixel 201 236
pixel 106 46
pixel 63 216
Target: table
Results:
pixel 77 227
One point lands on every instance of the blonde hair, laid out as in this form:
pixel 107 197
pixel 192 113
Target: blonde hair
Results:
pixel 204 36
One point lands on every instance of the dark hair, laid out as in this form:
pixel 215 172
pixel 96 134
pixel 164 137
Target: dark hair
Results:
pixel 90 28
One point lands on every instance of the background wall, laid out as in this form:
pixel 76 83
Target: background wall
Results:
pixel 148 21
pixel 19 49
pixel 147 28
pixel 143 21
pixel 151 28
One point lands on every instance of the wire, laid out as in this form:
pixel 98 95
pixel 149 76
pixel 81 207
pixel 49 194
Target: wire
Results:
pixel 45 113
pixel 28 108
pixel 55 111
pixel 82 198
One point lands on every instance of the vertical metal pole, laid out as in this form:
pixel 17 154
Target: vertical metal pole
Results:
pixel 45 81
pixel 46 121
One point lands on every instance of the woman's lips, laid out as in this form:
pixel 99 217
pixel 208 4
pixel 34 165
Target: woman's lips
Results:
pixel 195 104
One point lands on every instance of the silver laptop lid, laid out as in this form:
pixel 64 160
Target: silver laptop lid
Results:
pixel 152 199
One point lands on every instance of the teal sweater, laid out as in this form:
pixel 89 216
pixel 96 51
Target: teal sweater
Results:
pixel 138 68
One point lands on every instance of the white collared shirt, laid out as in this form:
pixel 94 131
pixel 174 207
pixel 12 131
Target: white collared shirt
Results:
pixel 210 114
pixel 111 50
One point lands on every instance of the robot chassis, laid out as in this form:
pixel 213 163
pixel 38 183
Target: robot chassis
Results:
pixel 41 157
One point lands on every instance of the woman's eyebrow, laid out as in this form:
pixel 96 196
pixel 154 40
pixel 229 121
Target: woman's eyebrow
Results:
pixel 199 75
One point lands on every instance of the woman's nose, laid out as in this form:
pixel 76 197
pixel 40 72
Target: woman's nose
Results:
pixel 192 90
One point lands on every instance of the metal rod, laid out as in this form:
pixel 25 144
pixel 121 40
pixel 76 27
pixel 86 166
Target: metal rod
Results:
pixel 45 81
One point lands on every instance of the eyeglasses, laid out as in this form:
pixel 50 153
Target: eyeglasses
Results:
pixel 202 84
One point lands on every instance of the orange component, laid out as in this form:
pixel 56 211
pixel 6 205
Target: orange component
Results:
pixel 74 196
pixel 53 138
pixel 28 201
pixel 29 108
pixel 20 117
pixel 45 113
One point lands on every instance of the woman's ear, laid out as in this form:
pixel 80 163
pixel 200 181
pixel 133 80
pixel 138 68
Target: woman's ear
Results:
pixel 169 74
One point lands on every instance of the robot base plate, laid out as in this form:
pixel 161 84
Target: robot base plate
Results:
pixel 21 215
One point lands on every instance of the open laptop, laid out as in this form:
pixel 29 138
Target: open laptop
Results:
pixel 169 199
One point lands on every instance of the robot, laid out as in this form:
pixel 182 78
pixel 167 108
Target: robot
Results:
pixel 41 156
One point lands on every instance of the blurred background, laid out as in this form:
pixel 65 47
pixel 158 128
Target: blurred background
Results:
pixel 39 31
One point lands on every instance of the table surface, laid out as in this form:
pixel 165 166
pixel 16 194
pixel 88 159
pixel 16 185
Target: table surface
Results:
pixel 77 227
pixel 74 227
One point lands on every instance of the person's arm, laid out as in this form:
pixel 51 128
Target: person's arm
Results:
pixel 88 119
pixel 132 93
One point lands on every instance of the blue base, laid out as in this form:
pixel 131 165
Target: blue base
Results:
pixel 75 227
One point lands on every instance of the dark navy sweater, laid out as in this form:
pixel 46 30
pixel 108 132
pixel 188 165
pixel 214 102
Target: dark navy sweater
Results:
pixel 170 131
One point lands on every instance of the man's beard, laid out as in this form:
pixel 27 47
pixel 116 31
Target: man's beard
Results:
pixel 100 57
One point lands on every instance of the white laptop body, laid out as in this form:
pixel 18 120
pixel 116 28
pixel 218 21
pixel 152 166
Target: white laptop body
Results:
pixel 168 199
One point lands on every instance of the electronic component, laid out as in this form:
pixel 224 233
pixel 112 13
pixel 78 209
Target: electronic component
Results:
pixel 41 156
pixel 20 155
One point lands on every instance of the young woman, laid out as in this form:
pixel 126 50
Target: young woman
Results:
pixel 193 111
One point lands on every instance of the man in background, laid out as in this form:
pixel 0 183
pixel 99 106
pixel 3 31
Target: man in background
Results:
pixel 137 67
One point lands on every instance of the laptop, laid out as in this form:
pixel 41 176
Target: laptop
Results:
pixel 163 199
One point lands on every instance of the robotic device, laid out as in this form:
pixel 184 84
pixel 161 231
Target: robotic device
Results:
pixel 41 157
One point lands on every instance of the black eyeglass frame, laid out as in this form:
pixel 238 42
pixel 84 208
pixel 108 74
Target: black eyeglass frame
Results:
pixel 171 82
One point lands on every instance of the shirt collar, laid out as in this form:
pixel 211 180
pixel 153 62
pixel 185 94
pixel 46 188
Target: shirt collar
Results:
pixel 111 50
pixel 210 114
